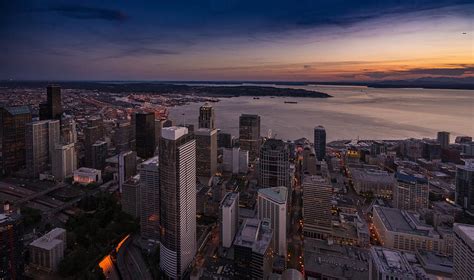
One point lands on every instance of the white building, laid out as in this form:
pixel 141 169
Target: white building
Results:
pixel 402 230
pixel 47 251
pixel 149 198
pixel 177 152
pixel 64 161
pixel 272 205
pixel 85 176
pixel 41 137
pixel 229 218
pixel 235 160
pixel 463 251
pixel 389 264
pixel 317 207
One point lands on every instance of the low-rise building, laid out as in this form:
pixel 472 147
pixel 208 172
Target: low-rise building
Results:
pixel 389 264
pixel 85 176
pixel 47 251
pixel 402 230
pixel 377 182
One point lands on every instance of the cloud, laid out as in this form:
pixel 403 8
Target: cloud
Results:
pixel 84 12
pixel 456 71
pixel 141 51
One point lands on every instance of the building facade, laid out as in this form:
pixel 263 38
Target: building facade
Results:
pixel 411 196
pixel 177 168
pixel 64 161
pixel 145 135
pixel 207 117
pixel 206 151
pixel 47 251
pixel 272 206
pixel 229 218
pixel 274 164
pixel 52 109
pixel 249 134
pixel 320 142
pixel 235 160
pixel 317 207
pixel 41 139
pixel 463 251
pixel 150 199
pixel 465 186
pixel 13 122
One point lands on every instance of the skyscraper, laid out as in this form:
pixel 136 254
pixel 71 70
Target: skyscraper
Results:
pixel 99 155
pixel 274 165
pixel 207 116
pixel 206 152
pixel 317 207
pixel 177 155
pixel 150 199
pixel 443 139
pixel 41 140
pixel 13 122
pixel 145 134
pixel 465 185
pixel 131 200
pixel 224 140
pixel 249 134
pixel 93 132
pixel 11 246
pixel 52 109
pixel 272 205
pixel 64 161
pixel 229 218
pixel 127 166
pixel 463 258
pixel 320 142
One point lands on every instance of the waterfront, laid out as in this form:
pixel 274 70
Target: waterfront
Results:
pixel 368 113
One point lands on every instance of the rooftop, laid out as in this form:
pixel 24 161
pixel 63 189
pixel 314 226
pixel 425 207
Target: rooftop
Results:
pixel 49 240
pixel 229 199
pixel 173 132
pixel 392 262
pixel 17 110
pixel 397 220
pixel 87 170
pixel 277 194
pixel 255 234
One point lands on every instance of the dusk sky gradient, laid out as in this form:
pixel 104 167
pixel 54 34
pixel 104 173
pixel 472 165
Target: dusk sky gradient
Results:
pixel 236 40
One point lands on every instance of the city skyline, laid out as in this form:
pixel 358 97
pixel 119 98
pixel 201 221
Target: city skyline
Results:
pixel 237 40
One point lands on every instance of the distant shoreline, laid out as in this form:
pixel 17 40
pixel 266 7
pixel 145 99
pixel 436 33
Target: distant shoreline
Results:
pixel 420 83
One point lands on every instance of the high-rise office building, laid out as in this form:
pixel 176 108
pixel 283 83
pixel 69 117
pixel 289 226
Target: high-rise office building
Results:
pixel 224 140
pixel 206 151
pixel 249 134
pixel 99 155
pixel 235 160
pixel 412 195
pixel 207 117
pixel 443 139
pixel 150 199
pixel 145 134
pixel 93 132
pixel 123 134
pixel 317 207
pixel 465 185
pixel 463 257
pixel 11 246
pixel 272 205
pixel 131 200
pixel 68 130
pixel 52 109
pixel 13 122
pixel 41 140
pixel 229 218
pixel 274 165
pixel 127 166
pixel 253 255
pixel 177 155
pixel 64 161
pixel 320 142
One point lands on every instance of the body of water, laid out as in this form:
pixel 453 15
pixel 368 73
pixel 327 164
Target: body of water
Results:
pixel 353 112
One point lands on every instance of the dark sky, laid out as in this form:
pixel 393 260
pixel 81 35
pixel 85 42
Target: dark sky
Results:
pixel 235 40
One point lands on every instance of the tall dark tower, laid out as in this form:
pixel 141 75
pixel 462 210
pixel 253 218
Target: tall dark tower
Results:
pixel 206 117
pixel 145 134
pixel 52 109
pixel 249 134
pixel 320 142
